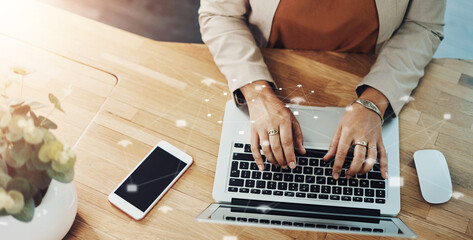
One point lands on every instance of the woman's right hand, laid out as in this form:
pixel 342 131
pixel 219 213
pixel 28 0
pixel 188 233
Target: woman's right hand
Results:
pixel 267 113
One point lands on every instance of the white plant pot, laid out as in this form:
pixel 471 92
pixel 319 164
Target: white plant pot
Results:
pixel 52 218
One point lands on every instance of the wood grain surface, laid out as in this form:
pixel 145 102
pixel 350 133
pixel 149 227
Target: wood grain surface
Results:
pixel 162 83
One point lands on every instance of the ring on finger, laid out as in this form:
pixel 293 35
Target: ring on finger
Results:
pixel 372 147
pixel 361 143
pixel 272 132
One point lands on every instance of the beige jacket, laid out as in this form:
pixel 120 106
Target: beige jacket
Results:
pixel 409 34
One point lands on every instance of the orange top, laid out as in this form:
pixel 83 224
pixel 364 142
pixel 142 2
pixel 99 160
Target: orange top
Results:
pixel 332 25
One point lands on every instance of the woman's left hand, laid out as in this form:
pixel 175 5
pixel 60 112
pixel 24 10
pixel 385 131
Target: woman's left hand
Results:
pixel 360 124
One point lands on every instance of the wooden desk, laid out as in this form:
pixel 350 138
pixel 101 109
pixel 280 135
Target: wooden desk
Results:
pixel 160 83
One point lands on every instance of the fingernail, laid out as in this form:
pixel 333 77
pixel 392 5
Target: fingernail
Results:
pixel 292 165
pixel 336 175
pixel 348 176
pixel 260 167
pixel 285 166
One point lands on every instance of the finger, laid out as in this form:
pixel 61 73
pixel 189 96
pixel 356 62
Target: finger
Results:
pixel 255 150
pixel 342 148
pixel 383 161
pixel 358 158
pixel 297 136
pixel 333 145
pixel 370 160
pixel 288 145
pixel 263 136
pixel 277 150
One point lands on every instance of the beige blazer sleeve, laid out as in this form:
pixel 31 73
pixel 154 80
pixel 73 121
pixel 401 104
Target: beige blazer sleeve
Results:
pixel 402 60
pixel 224 28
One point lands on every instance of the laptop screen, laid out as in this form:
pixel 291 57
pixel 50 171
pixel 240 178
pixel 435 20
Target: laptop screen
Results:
pixel 303 220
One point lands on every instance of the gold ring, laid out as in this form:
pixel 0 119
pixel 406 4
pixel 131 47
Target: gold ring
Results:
pixel 273 132
pixel 362 143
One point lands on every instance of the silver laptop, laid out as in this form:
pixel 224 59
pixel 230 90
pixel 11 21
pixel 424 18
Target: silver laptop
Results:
pixel 307 197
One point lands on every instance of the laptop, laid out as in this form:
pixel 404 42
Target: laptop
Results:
pixel 307 197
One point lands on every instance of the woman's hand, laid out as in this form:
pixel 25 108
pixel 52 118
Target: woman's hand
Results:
pixel 267 113
pixel 360 124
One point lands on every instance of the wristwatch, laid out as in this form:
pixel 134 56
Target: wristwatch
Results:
pixel 371 106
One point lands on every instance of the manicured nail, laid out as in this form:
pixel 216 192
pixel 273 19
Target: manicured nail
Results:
pixel 292 165
pixel 260 167
pixel 336 175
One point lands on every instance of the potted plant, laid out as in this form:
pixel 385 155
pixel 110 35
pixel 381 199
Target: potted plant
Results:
pixel 37 198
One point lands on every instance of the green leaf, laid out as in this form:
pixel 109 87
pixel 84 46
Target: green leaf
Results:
pixel 38 164
pixel 45 122
pixel 27 212
pixel 4 179
pixel 20 152
pixel 18 202
pixel 21 110
pixel 64 177
pixel 54 100
pixel 20 184
pixel 11 161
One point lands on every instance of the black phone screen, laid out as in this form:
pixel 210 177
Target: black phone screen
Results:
pixel 150 179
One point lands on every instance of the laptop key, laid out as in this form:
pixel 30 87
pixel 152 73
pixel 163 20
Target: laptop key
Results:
pixel 235 173
pixel 356 229
pixel 380 200
pixel 245 174
pixel 308 170
pixel 236 182
pixel 369 200
pixel 347 191
pixel 256 175
pixel 314 162
pixel 375 175
pixel 244 190
pixel 309 225
pixel 253 166
pixel 301 195
pixel 318 171
pixel 376 167
pixel 232 189
pixel 243 156
pixel 298 224
pixel 304 187
pixel 315 188
pixel 282 186
pixel 309 179
pixel 380 193
pixel 244 165
pixel 303 161
pixel 260 184
pixel 286 170
pixel 328 172
pixel 378 184
pixel 353 182
pixel 361 176
pixel 276 222
pixel 271 185
pixel 238 145
pixel 267 176
pixel 346 198
pixel 343 173
pixel 336 190
pixel 325 189
pixel 357 199
pixel 331 181
pixel 311 195
pixel 267 167
pixel 288 177
pixel 334 197
pixel 234 165
pixel 320 180
pixel 275 168
pixel 323 196
pixel 252 220
pixel 369 192
pixel 247 148
pixel 378 230
pixel 250 183
pixel 342 182
pixel 277 176
pixel 278 193
pixel 293 186
pixel 297 169
pixel 255 191
pixel 285 223
pixel 364 183
pixel 289 194
pixel 264 221
pixel 267 192
pixel 230 218
pixel 299 178
pixel 358 192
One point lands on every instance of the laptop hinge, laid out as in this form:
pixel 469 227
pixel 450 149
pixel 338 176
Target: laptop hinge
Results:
pixel 306 207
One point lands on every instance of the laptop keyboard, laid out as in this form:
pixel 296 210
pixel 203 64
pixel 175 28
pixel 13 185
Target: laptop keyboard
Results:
pixel 312 178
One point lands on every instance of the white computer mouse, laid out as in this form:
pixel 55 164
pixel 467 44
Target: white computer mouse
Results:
pixel 434 177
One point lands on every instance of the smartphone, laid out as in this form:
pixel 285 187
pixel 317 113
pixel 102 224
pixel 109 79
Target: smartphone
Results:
pixel 150 180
